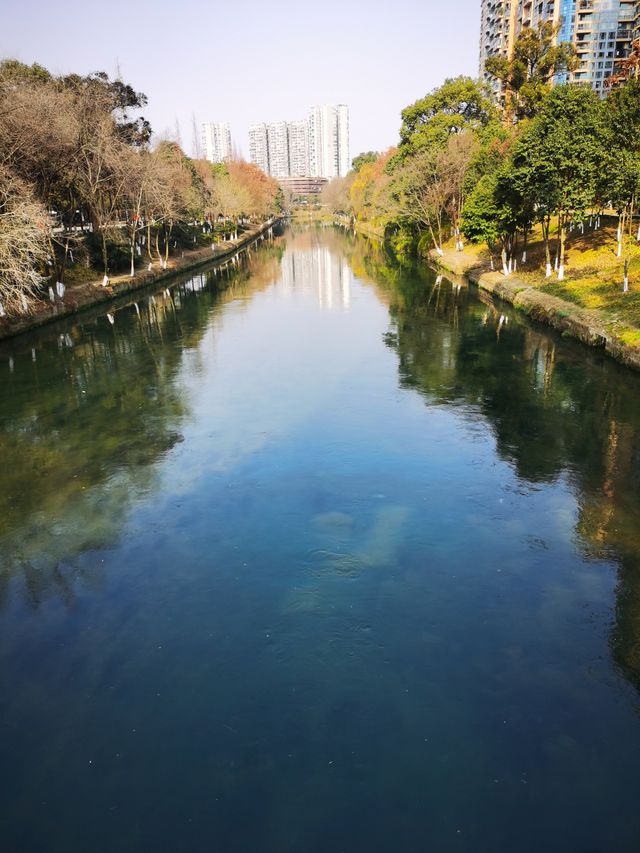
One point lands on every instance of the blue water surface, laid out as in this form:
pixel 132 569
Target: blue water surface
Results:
pixel 321 555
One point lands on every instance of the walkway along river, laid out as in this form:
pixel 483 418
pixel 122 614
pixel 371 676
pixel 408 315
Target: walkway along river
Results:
pixel 317 554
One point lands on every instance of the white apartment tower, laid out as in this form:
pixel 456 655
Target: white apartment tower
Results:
pixel 278 146
pixel 259 146
pixel 329 141
pixel 216 141
pixel 344 160
pixel 298 149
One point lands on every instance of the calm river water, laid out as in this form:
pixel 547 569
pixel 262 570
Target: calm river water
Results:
pixel 319 555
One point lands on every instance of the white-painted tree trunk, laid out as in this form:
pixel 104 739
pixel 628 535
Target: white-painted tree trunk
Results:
pixel 105 281
pixel 625 286
pixel 548 273
pixel 524 257
pixel 561 272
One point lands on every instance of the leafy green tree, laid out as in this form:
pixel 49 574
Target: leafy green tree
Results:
pixel 620 179
pixel 362 159
pixel 459 104
pixel 526 76
pixel 491 216
pixel 558 157
pixel 17 73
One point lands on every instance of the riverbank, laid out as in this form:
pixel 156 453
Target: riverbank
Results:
pixel 360 226
pixel 615 335
pixel 84 296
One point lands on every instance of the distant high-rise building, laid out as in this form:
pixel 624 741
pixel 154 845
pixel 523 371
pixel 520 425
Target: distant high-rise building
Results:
pixel 216 141
pixel 316 148
pixel 278 144
pixel 344 158
pixel 600 30
pixel 259 147
pixel 329 141
pixel 602 36
pixel 298 149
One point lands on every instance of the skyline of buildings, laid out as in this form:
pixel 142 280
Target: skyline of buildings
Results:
pixel 314 147
pixel 600 30
pixel 216 141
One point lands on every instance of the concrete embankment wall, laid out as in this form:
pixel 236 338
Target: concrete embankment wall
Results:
pixel 569 319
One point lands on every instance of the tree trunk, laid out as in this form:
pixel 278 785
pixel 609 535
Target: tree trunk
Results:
pixel 625 285
pixel 149 244
pixel 105 258
pixel 620 233
pixel 437 246
pixel 505 266
pixel 547 251
pixel 563 238
pixel 628 240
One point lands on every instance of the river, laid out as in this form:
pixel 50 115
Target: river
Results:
pixel 319 554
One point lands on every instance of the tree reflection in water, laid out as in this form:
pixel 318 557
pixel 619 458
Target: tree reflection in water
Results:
pixel 89 407
pixel 557 409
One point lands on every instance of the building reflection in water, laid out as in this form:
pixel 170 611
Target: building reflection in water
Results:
pixel 308 266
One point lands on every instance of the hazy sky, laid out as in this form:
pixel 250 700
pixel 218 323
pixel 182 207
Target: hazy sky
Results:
pixel 250 61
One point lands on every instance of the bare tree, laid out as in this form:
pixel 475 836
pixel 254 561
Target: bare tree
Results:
pixel 24 227
pixel 420 193
pixel 453 168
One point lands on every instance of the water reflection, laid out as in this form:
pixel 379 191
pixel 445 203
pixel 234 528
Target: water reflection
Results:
pixel 88 407
pixel 297 577
pixel 558 410
pixel 311 262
